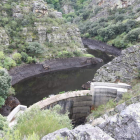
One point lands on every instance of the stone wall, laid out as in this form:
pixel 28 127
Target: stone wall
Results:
pixel 123 68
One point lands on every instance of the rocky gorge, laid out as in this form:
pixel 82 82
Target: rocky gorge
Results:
pixel 44 53
pixel 120 123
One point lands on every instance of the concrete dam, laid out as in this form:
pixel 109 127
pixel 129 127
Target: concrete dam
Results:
pixel 80 103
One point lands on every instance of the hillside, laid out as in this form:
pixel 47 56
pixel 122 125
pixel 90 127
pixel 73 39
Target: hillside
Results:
pixel 114 22
pixel 31 31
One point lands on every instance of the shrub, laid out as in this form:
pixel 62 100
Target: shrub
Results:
pixel 17 57
pixel 97 9
pixel 9 63
pixel 3 122
pixel 86 35
pixel 120 17
pixel 120 43
pixel 2 56
pixel 15 135
pixel 133 35
pixel 24 56
pixel 5 84
pixel 29 59
pixel 35 48
pixel 77 53
pixel 103 108
pixel 40 121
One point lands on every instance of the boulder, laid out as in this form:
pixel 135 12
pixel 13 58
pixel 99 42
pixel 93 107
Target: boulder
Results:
pixel 125 125
pixel 86 86
pixel 10 103
pixel 82 132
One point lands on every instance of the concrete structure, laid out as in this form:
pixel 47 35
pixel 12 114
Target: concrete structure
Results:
pixel 77 103
pixel 102 92
pixel 80 103
pixel 11 117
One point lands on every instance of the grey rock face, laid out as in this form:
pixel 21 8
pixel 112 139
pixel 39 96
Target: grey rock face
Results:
pixel 124 126
pixel 4 39
pixel 39 6
pixel 83 132
pixel 123 68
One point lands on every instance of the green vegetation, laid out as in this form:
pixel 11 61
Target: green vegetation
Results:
pixel 119 27
pixel 27 36
pixel 88 55
pixel 36 123
pixel 5 85
pixel 61 92
pixel 103 108
pixel 3 122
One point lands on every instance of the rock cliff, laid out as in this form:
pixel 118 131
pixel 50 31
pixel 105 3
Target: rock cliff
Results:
pixel 122 68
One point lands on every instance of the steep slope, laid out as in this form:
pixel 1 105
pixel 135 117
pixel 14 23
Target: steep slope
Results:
pixel 114 22
pixel 30 31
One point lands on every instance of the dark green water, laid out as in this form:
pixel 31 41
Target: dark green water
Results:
pixel 36 88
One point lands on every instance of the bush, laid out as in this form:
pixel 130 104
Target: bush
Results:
pixel 120 17
pixel 103 108
pixel 5 84
pixel 64 54
pixel 24 56
pixel 2 56
pixel 77 53
pixel 15 135
pixel 9 63
pixel 133 35
pixel 17 57
pixel 35 48
pixel 42 122
pixel 3 122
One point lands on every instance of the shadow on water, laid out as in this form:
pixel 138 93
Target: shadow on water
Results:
pixel 34 89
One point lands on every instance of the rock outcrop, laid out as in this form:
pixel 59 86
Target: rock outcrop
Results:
pixel 125 125
pixel 83 132
pixel 10 103
pixel 123 68
pixel 122 122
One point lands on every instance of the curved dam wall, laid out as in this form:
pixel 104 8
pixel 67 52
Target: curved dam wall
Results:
pixel 80 103
pixel 77 103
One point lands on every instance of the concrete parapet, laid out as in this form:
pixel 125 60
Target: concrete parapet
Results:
pixel 11 118
pixel 15 111
pixel 117 85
